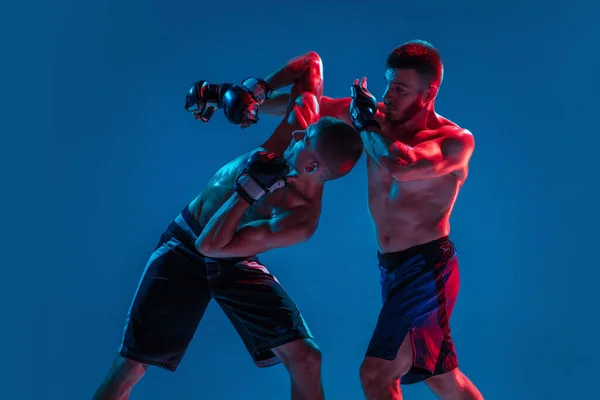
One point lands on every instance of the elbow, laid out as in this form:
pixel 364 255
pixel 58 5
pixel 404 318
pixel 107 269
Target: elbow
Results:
pixel 306 230
pixel 314 75
pixel 314 59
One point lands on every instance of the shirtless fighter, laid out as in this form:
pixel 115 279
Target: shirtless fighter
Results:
pixel 265 199
pixel 417 161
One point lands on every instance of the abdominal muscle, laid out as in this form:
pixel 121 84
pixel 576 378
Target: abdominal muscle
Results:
pixel 406 214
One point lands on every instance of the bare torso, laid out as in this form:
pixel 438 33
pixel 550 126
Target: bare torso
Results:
pixel 220 188
pixel 406 214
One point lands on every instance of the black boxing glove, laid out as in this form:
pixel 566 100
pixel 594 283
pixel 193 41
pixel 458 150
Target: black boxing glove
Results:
pixel 241 102
pixel 203 98
pixel 363 108
pixel 264 173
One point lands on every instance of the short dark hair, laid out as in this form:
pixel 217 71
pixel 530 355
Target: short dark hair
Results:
pixel 337 145
pixel 421 56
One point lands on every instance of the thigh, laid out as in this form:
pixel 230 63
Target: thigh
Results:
pixel 169 302
pixel 261 310
pixel 413 324
pixel 391 330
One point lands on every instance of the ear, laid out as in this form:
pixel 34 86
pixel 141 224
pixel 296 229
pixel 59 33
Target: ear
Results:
pixel 430 94
pixel 312 168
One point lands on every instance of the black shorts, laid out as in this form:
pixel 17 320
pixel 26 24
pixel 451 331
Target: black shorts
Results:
pixel 177 286
pixel 419 289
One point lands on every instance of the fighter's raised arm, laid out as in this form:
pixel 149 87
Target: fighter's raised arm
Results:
pixel 445 150
pixel 241 103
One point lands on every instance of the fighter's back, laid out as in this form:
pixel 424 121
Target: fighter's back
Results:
pixel 221 187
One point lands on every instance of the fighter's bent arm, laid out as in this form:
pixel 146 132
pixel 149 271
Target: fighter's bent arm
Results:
pixel 306 69
pixel 301 113
pixel 449 151
pixel 302 107
pixel 221 239
pixel 276 105
pixel 221 227
pixel 330 107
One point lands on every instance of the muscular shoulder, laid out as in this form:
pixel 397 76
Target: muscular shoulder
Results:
pixel 229 171
pixel 452 138
pixel 455 134
pixel 452 130
pixel 458 145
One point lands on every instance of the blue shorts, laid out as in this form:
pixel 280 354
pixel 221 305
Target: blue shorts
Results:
pixel 176 287
pixel 419 289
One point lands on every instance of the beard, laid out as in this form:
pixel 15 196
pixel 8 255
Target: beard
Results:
pixel 413 109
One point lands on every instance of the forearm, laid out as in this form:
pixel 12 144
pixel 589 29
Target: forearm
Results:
pixel 385 152
pixel 221 228
pixel 276 104
pixel 336 108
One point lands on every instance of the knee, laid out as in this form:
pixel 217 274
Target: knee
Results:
pixel 376 370
pixel 305 355
pixel 309 355
pixel 124 374
pixel 450 383
pixel 369 373
pixel 126 370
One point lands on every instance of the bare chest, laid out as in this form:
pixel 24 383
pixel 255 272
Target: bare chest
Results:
pixel 385 191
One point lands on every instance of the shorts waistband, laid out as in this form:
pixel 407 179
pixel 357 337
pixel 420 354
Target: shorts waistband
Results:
pixel 187 229
pixel 395 259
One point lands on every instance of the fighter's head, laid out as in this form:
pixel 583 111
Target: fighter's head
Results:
pixel 328 149
pixel 413 75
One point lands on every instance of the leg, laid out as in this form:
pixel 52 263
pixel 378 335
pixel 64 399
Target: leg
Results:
pixel 302 358
pixel 168 304
pixel 412 340
pixel 122 377
pixel 380 378
pixel 270 324
pixel 453 385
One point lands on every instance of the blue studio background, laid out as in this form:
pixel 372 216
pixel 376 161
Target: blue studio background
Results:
pixel 98 156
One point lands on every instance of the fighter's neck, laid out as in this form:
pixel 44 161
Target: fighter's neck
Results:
pixel 309 190
pixel 423 120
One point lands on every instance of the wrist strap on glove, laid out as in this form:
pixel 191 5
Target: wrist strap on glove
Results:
pixel 259 88
pixel 248 188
